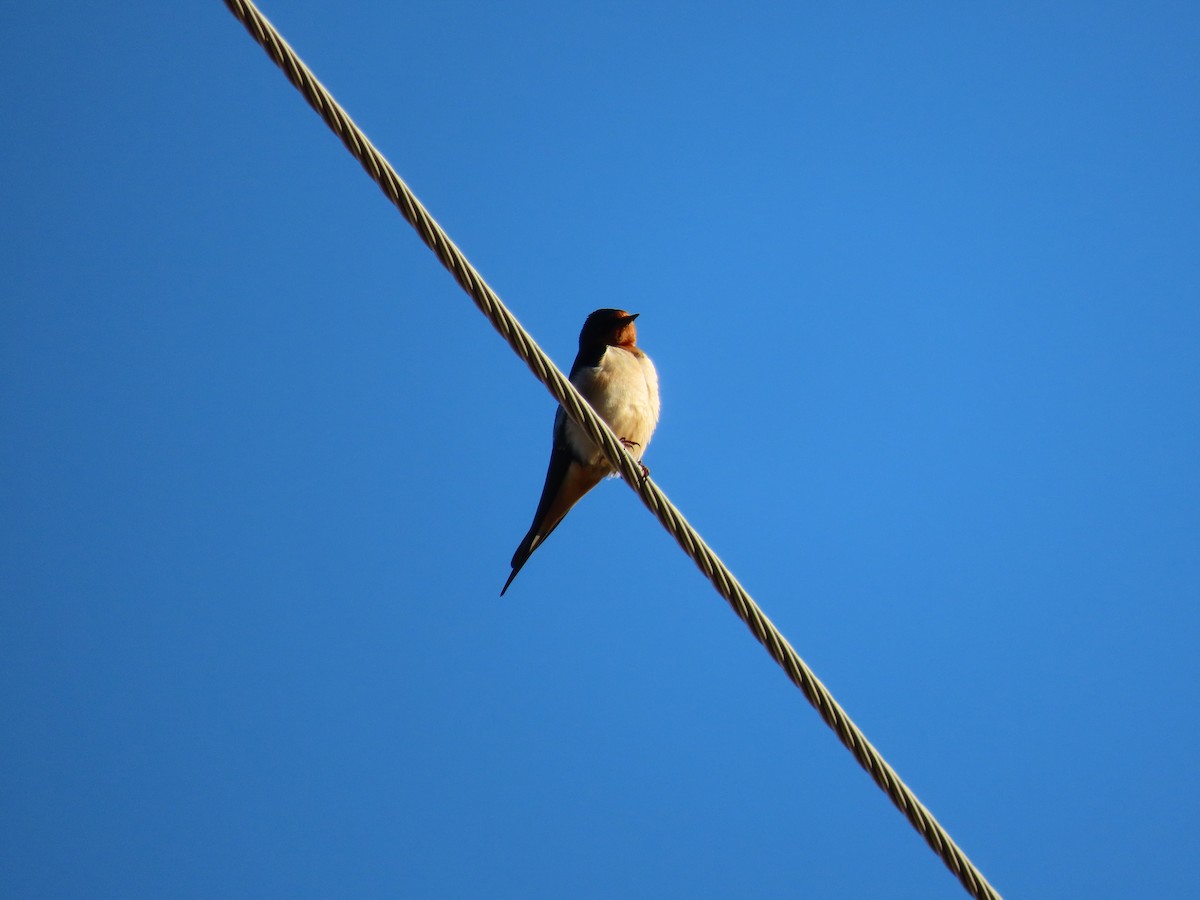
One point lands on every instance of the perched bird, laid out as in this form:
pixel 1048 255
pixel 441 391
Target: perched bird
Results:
pixel 620 383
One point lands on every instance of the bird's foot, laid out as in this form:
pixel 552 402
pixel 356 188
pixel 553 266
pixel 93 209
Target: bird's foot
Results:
pixel 629 445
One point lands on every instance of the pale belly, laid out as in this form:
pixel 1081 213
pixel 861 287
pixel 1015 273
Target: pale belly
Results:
pixel 623 389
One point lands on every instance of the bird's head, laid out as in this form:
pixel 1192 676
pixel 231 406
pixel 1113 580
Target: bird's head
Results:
pixel 609 326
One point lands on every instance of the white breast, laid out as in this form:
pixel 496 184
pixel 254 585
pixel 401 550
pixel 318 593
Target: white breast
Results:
pixel 623 389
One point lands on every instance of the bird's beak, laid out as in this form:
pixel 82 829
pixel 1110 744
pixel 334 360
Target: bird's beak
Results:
pixel 630 318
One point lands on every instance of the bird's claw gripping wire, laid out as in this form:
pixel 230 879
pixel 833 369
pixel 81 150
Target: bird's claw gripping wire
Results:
pixel 629 445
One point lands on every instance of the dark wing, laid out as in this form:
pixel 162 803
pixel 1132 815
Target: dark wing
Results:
pixel 567 480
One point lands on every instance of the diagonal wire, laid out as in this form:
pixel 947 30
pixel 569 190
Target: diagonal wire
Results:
pixel 578 409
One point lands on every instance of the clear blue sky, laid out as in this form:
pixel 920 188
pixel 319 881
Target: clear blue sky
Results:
pixel 923 288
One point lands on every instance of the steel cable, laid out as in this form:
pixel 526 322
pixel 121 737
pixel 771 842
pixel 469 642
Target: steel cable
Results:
pixel 578 409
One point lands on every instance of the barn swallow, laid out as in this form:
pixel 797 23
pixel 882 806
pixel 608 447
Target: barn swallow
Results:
pixel 618 380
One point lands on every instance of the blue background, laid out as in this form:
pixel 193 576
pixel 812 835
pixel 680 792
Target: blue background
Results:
pixel 922 286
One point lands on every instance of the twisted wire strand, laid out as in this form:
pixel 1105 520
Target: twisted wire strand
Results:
pixel 598 430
